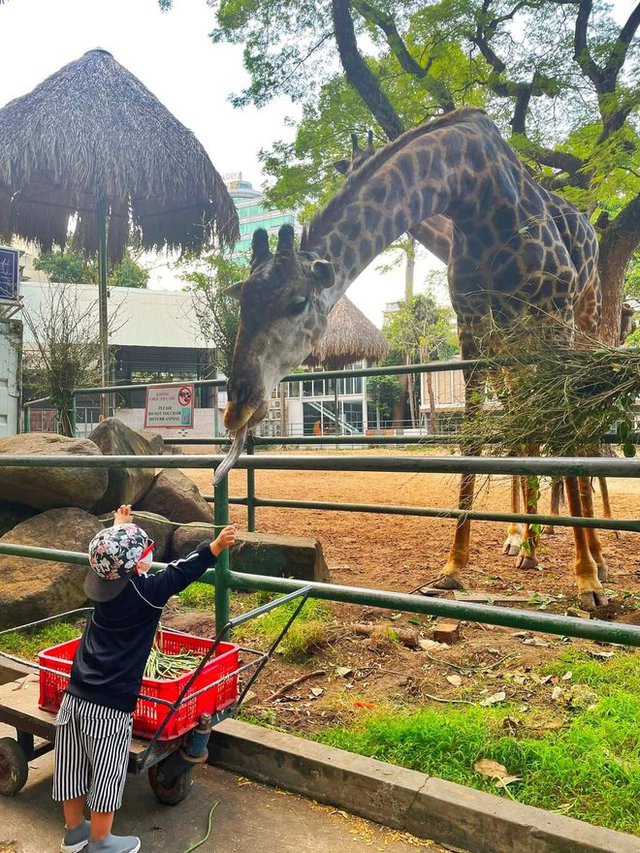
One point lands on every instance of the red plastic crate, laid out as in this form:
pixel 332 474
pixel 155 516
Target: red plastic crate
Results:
pixel 148 715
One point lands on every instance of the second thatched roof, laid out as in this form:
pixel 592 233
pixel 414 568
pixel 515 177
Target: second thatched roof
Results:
pixel 94 129
pixel 350 337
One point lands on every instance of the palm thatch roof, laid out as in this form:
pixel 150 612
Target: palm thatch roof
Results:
pixel 93 129
pixel 350 337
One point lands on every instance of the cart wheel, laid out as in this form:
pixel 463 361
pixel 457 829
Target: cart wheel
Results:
pixel 14 769
pixel 177 792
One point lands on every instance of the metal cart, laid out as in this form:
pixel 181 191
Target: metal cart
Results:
pixel 169 763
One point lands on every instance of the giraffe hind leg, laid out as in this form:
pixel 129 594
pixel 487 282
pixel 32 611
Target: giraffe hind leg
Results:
pixel 556 501
pixel 515 530
pixel 527 558
pixel 590 592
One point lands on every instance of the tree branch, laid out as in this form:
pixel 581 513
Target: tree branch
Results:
pixel 358 72
pixel 619 50
pixel 581 49
pixel 386 23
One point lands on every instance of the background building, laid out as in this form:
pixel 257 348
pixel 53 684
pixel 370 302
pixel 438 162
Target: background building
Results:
pixel 253 213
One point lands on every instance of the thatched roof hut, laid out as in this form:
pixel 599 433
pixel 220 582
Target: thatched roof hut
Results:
pixel 350 337
pixel 94 130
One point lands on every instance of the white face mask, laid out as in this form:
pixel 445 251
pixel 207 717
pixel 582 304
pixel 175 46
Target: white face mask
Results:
pixel 143 567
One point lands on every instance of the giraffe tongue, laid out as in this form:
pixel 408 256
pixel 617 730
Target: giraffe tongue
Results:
pixel 232 456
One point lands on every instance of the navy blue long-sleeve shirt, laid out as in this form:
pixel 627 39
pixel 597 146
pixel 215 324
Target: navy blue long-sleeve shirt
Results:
pixel 113 650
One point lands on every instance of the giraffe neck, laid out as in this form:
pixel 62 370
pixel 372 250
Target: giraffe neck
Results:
pixel 418 176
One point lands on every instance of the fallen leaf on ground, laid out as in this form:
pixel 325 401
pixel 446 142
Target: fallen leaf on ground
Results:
pixel 567 676
pixel 317 691
pixel 455 680
pixel 343 671
pixel 507 780
pixel 494 698
pixel 427 645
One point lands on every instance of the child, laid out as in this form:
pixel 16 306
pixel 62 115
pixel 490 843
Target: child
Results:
pixel 94 723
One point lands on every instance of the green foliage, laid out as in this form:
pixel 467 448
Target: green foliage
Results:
pixel 590 769
pixel 69 267
pixel 218 314
pixel 421 330
pixel 308 632
pixel 384 393
pixel 27 644
pixel 632 278
pixel 129 274
pixel 198 596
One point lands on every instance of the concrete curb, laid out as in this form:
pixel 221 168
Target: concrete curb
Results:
pixel 427 807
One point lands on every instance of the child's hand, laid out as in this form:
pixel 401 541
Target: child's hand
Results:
pixel 224 539
pixel 123 515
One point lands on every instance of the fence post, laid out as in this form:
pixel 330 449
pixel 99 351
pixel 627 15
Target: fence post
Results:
pixel 27 418
pixel 221 518
pixel 251 488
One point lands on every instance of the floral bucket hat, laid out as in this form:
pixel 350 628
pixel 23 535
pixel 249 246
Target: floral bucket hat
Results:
pixel 113 555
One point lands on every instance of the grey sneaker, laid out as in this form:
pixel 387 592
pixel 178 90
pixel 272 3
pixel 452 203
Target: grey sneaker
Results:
pixel 76 839
pixel 115 844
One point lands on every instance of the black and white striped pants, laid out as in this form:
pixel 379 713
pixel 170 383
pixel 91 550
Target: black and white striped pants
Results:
pixel 91 753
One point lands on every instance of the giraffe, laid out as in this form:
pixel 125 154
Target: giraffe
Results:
pixel 518 252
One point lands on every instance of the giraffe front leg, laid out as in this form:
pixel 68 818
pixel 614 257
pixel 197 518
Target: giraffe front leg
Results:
pixel 450 577
pixel 593 540
pixel 515 530
pixel 590 592
pixel 527 557
pixel 606 502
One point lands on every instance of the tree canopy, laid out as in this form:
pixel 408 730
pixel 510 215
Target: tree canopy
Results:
pixel 560 78
pixel 72 267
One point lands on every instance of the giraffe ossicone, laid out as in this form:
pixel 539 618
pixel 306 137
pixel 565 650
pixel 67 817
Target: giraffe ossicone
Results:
pixel 517 253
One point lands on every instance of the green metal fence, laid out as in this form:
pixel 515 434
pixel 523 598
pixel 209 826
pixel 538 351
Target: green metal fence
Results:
pixel 227 581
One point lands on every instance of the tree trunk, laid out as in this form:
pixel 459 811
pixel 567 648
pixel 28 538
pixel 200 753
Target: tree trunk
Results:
pixel 409 271
pixel 618 243
pixel 433 423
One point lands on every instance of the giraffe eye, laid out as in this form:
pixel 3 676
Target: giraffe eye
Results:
pixel 297 306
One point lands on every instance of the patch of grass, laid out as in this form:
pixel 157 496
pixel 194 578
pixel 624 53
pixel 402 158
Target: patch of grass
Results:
pixel 309 631
pixel 198 596
pixel 27 644
pixel 589 770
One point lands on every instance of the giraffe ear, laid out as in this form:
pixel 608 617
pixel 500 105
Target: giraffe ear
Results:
pixel 323 273
pixel 342 166
pixel 235 291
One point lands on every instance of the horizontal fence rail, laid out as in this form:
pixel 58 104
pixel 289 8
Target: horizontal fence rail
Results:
pixel 570 466
pixel 593 629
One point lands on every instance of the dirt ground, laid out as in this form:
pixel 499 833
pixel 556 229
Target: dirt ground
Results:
pixel 400 553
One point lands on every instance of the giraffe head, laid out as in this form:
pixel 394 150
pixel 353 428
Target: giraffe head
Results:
pixel 283 311
pixel 358 155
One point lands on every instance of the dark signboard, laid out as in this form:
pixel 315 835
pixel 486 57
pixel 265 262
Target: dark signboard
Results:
pixel 9 274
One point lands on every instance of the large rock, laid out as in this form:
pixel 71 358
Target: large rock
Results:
pixel 176 497
pixel 33 589
pixel 126 485
pixel 46 488
pixel 157 528
pixel 155 440
pixel 299 557
pixel 187 538
pixel 12 514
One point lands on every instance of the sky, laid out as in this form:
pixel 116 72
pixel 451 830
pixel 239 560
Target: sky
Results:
pixel 173 56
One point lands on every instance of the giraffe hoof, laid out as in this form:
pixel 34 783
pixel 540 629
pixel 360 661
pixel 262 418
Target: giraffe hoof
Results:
pixel 444 581
pixel 592 600
pixel 526 562
pixel 548 530
pixel 603 572
pixel 510 549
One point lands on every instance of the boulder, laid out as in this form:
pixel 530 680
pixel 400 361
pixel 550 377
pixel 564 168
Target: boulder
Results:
pixel 281 556
pixel 156 527
pixel 46 488
pixel 33 589
pixel 155 440
pixel 176 497
pixel 12 514
pixel 299 557
pixel 187 538
pixel 126 485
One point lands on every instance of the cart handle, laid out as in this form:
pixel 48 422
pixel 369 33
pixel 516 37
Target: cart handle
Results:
pixel 265 608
